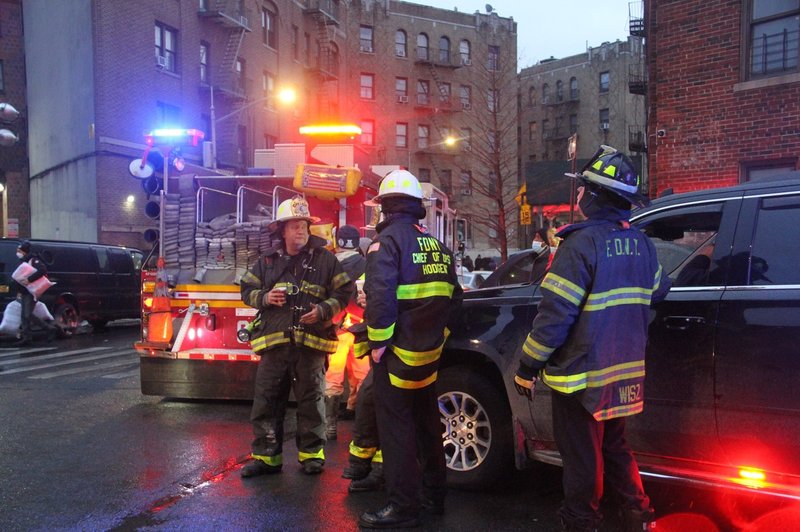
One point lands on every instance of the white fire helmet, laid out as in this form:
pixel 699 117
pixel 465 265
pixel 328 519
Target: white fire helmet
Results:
pixel 295 208
pixel 399 183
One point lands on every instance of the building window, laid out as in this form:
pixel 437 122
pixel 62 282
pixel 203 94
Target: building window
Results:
pixel 401 135
pixel 465 95
pixel 573 88
pixel 532 96
pixel 365 39
pixel 559 91
pixel 422 47
pixel 204 62
pixel 605 81
pixel 268 86
pixel 466 139
pixel 546 129
pixel 774 31
pixel 424 175
pixel 465 50
pixel 444 50
pixel 445 91
pixel 168 115
pixel 604 123
pixel 166 47
pixel 295 43
pixel 446 178
pixel 573 124
pixel 466 182
pixel 545 94
pixel 401 89
pixel 531 130
pixel 423 91
pixel 269 27
pixel 307 49
pixel 423 135
pixel 367 86
pixel 368 132
pixel 763 170
pixel 493 59
pixel 400 44
pixel 492 100
pixel 239 70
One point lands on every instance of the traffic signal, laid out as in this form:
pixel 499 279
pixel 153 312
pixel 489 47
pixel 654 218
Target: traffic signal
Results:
pixel 152 185
pixel 152 209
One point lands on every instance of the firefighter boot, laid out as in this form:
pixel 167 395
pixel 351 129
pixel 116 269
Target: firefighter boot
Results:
pixel 331 414
pixel 639 520
pixel 372 482
pixel 357 469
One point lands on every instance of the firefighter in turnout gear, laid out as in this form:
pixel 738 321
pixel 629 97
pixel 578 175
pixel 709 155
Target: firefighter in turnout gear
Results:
pixel 588 342
pixel 298 287
pixel 343 364
pixel 412 290
pixel 365 458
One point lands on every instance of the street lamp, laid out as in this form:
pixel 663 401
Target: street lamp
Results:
pixel 286 95
pixel 8 114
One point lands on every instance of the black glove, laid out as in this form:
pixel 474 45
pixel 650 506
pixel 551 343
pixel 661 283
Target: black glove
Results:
pixel 525 380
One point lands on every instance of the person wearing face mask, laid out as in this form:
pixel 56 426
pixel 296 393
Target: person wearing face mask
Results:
pixel 26 299
pixel 298 286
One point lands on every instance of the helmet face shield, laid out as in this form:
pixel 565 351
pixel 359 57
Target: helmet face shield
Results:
pixel 614 171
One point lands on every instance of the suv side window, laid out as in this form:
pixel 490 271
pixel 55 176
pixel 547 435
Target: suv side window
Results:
pixel 120 261
pixel 684 240
pixel 775 253
pixel 102 260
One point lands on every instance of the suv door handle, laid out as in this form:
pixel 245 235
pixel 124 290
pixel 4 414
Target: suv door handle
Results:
pixel 681 323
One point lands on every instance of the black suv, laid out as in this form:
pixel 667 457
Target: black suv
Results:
pixel 95 282
pixel 723 355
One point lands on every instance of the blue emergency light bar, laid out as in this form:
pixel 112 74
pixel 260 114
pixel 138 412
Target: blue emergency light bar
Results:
pixel 174 137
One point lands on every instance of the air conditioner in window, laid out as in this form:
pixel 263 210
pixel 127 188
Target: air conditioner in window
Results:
pixel 402 98
pixel 604 126
pixel 466 62
pixel 161 61
pixel 243 22
pixel 466 106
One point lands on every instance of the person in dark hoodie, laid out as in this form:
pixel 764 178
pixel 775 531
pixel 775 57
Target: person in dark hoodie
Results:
pixel 26 299
pixel 343 364
pixel 298 286
pixel 588 342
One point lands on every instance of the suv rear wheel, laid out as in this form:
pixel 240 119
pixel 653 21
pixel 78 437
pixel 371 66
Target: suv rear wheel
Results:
pixel 476 427
pixel 67 319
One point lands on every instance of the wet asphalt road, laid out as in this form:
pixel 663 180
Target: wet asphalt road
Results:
pixel 82 449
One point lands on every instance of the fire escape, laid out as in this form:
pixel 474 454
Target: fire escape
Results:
pixel 438 106
pixel 228 82
pixel 637 76
pixel 325 74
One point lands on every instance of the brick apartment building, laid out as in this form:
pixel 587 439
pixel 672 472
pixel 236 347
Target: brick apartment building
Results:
pixel 723 91
pixel 14 159
pixel 597 95
pixel 95 87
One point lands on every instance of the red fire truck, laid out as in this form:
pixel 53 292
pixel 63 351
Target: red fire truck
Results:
pixel 214 229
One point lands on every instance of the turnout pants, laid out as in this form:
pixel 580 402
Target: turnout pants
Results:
pixel 344 364
pixel 365 429
pixel 589 449
pixel 278 370
pixel 410 432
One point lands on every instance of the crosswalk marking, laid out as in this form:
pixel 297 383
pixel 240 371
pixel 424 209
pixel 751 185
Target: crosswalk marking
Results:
pixel 60 354
pixel 68 361
pixel 17 352
pixel 73 371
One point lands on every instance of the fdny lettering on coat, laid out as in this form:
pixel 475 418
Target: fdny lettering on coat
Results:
pixel 616 247
pixel 430 256
pixel 630 393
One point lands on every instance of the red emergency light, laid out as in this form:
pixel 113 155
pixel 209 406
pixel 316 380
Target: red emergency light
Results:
pixel 174 137
pixel 330 129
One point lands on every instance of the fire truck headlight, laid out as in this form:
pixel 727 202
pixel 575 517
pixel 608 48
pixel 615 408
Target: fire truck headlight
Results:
pixel 211 322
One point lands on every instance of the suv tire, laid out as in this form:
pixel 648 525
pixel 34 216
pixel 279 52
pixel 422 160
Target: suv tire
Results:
pixel 476 427
pixel 67 319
